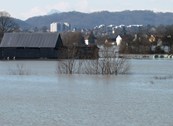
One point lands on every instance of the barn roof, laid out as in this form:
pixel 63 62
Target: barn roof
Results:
pixel 39 40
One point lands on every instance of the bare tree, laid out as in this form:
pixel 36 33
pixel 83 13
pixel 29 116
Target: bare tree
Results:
pixel 7 24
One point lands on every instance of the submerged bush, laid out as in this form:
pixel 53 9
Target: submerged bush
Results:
pixel 110 64
pixel 20 69
pixel 104 66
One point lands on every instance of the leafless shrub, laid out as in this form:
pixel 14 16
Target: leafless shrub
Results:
pixel 110 64
pixel 70 65
pixel 106 66
pixel 79 66
pixel 66 67
pixel 20 69
pixel 91 67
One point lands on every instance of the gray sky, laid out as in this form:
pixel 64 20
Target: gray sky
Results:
pixel 24 9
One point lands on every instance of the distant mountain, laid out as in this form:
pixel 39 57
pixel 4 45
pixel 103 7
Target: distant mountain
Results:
pixel 89 20
pixel 53 11
pixel 22 24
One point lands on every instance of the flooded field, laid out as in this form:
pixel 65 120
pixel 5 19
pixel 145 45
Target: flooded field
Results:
pixel 41 97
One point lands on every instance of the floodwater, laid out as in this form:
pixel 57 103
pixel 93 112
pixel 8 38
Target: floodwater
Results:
pixel 41 97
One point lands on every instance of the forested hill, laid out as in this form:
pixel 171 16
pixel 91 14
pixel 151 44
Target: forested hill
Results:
pixel 89 20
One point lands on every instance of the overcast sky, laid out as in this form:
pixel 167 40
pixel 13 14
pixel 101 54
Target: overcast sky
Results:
pixel 24 9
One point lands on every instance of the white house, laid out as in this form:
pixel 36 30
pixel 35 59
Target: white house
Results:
pixel 118 40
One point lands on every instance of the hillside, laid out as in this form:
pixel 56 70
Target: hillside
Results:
pixel 89 20
pixel 22 24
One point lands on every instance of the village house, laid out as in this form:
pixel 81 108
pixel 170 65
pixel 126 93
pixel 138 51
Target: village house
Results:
pixel 159 45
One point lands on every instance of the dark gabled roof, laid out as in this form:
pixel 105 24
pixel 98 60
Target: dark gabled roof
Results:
pixel 32 40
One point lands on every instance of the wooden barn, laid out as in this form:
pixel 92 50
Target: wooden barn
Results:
pixel 31 46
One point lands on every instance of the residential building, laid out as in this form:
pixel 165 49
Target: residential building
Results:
pixel 54 27
pixel 60 27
